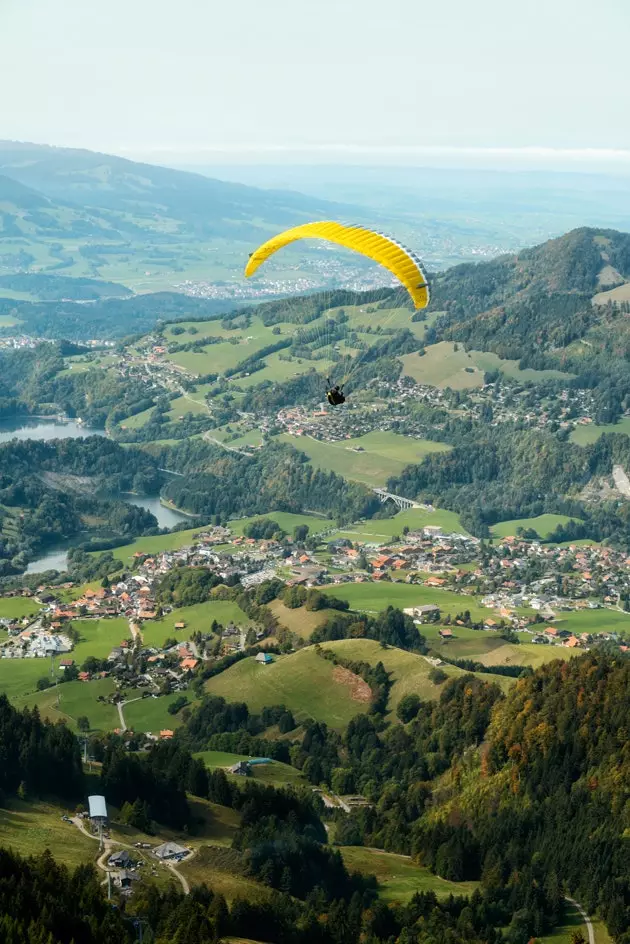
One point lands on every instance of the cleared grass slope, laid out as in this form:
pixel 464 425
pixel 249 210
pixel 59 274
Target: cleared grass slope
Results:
pixel 302 681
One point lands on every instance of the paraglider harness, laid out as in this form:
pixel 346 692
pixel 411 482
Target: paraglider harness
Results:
pixel 334 395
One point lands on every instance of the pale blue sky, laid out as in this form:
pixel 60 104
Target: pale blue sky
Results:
pixel 339 77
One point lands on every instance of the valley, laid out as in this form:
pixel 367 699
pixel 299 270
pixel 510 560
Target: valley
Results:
pixel 256 615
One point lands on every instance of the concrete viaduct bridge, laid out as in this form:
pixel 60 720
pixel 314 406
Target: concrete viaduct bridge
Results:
pixel 398 500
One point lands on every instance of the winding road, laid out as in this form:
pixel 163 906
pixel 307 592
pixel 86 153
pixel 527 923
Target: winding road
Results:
pixel 109 845
pixel 587 920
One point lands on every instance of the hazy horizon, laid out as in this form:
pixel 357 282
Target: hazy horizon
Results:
pixel 337 82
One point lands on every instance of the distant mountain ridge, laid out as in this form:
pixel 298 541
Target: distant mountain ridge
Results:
pixel 201 204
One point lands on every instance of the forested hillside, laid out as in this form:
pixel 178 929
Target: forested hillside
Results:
pixel 537 306
pixel 218 483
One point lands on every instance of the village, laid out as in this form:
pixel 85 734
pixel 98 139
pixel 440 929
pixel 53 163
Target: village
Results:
pixel 511 578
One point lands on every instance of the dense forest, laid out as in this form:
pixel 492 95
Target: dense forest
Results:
pixel 50 490
pixel 38 758
pixel 499 473
pixel 278 479
pixel 526 793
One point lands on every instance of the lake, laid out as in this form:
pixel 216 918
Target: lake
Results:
pixel 54 560
pixel 33 427
pixel 166 517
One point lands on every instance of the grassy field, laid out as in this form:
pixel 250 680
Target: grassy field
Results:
pixel 19 676
pixel 299 621
pixel 443 366
pixel 410 672
pixel 30 828
pixel 151 714
pixel 381 530
pixel 76 699
pixel 594 621
pixel 383 454
pixel 585 435
pixel 285 520
pixel 223 882
pixel 302 681
pixel 273 773
pixel 17 607
pixel 198 618
pixel 398 877
pixel 543 525
pixel 155 544
pixel 489 648
pixel 374 597
pixel 98 637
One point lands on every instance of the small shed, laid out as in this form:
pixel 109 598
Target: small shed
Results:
pixel 264 658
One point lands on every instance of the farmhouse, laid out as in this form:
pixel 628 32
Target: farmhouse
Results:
pixel 120 860
pixel 419 612
pixel 264 658
pixel 170 850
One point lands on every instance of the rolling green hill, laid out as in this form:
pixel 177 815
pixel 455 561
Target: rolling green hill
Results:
pixel 307 684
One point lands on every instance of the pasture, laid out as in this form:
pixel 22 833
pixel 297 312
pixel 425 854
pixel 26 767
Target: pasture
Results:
pixel 299 620
pixel 19 676
pixel 274 773
pixel 381 530
pixel 410 672
pixel 399 878
pixel 489 648
pixel 543 525
pixel 76 699
pixel 18 607
pixel 303 681
pixel 198 619
pixel 155 544
pixel 595 621
pixel 30 828
pixel 151 714
pixel 98 637
pixel 285 520
pixel 371 459
pixel 586 435
pixel 374 597
pixel 444 366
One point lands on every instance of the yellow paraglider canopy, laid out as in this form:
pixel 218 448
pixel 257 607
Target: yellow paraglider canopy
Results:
pixel 401 262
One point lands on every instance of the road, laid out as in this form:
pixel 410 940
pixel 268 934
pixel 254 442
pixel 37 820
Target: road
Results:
pixel 120 705
pixel 135 630
pixel 622 482
pixel 109 845
pixel 217 442
pixel 587 920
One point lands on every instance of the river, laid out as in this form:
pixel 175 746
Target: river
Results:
pixel 31 427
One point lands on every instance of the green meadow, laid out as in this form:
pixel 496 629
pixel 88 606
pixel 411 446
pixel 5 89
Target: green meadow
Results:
pixel 443 366
pixel 198 619
pixel 371 459
pixel 399 878
pixel 382 530
pixel 76 699
pixel 586 435
pixel 543 525
pixel 374 597
pixel 303 681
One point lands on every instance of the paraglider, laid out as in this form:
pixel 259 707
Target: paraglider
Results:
pixel 335 395
pixel 384 250
pixel 388 252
